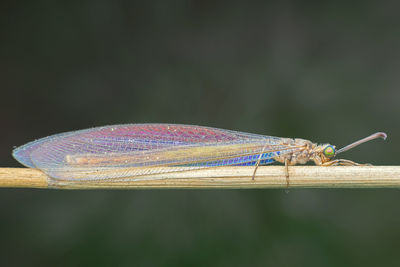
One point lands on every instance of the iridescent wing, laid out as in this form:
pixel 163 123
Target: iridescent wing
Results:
pixel 135 151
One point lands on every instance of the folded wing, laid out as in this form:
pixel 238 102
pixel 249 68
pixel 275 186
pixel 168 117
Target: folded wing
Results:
pixel 135 151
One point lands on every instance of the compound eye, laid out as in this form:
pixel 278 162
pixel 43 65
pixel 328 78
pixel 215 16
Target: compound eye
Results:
pixel 329 151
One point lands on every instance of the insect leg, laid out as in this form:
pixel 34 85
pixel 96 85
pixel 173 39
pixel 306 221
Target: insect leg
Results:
pixel 343 162
pixel 258 162
pixel 287 171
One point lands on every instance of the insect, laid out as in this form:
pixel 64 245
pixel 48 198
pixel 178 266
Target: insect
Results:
pixel 138 151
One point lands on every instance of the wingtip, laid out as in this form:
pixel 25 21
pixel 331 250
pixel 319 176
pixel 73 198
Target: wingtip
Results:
pixel 22 155
pixel 19 156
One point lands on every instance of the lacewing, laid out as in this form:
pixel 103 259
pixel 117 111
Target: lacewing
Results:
pixel 138 151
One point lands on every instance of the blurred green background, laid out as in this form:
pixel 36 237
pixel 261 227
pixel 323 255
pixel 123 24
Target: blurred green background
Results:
pixel 327 72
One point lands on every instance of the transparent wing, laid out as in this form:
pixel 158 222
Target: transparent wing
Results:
pixel 138 150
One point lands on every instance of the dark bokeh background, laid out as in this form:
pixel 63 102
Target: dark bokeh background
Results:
pixel 328 72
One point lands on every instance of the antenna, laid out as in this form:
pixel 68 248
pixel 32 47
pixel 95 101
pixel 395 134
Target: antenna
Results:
pixel 359 142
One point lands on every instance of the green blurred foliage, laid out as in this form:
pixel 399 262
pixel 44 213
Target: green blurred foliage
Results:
pixel 323 71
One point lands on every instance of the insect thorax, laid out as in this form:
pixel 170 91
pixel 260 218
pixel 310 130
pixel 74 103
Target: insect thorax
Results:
pixel 301 151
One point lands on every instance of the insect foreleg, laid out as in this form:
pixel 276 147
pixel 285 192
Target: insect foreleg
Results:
pixel 343 162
